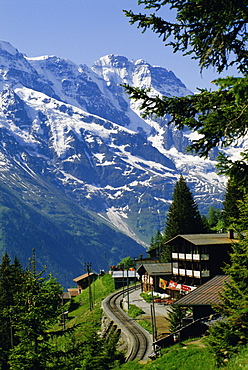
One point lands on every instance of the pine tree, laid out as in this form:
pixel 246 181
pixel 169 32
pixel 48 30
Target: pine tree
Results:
pixel 166 254
pixel 213 216
pixel 183 216
pixel 11 280
pixel 214 220
pixel 228 336
pixel 158 239
pixel 176 314
pixel 215 34
pixel 30 305
pixel 205 224
pixel 152 244
pixel 233 194
pixel 157 243
pixel 36 308
pixel 127 263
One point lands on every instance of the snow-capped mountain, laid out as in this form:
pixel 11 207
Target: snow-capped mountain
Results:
pixel 74 129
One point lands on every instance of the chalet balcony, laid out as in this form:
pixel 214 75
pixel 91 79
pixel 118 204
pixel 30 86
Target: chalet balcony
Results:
pixel 175 271
pixel 189 273
pixel 200 257
pixel 190 256
pixel 196 257
pixel 197 274
pixel 182 272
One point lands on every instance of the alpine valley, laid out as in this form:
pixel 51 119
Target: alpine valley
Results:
pixel 83 177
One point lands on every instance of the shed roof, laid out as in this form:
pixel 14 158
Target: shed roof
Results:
pixel 206 294
pixel 156 268
pixel 66 295
pixel 84 276
pixel 205 239
pixel 121 274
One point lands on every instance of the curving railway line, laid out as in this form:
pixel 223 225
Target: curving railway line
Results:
pixel 138 340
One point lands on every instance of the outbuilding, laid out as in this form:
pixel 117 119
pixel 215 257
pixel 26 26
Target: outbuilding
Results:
pixel 83 281
pixel 156 275
pixel 123 278
pixel 202 299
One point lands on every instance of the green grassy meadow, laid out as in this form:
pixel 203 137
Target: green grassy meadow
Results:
pixel 189 355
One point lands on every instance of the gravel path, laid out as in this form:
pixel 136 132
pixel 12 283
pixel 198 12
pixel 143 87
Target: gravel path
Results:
pixel 161 312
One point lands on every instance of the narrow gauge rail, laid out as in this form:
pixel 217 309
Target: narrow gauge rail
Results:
pixel 139 343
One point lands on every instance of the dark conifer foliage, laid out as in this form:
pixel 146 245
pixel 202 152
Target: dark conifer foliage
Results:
pixel 37 306
pixel 228 336
pixel 209 31
pixel 183 216
pixel 215 34
pixel 233 195
pixel 157 243
pixel 30 307
pixel 213 216
pixel 11 280
pixel 175 317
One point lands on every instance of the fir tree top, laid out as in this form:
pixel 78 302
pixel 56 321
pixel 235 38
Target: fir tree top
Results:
pixel 183 216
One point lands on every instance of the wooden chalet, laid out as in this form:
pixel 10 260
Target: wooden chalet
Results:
pixel 83 281
pixel 154 275
pixel 196 258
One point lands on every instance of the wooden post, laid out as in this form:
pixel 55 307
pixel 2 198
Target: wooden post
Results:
pixel 88 268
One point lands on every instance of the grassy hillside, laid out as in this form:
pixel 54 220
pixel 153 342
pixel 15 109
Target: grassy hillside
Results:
pixel 86 323
pixel 79 307
pixel 189 355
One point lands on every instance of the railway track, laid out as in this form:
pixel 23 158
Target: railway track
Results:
pixel 139 340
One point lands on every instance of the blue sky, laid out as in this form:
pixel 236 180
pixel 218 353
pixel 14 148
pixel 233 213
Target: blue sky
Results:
pixel 85 30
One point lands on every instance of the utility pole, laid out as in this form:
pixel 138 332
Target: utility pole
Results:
pixel 88 269
pixel 154 315
pixel 122 267
pixel 127 290
pixel 134 259
pixel 153 326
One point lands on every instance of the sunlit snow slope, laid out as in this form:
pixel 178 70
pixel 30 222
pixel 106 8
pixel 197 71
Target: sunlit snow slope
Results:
pixel 74 128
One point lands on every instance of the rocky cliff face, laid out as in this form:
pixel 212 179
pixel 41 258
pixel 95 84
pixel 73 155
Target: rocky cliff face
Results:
pixel 74 129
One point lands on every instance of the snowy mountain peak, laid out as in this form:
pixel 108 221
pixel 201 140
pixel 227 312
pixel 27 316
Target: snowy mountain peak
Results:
pixel 6 47
pixel 116 69
pixel 71 137
pixel 75 127
pixel 42 57
pixel 115 60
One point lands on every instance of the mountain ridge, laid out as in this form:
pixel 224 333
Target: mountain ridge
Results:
pixel 73 129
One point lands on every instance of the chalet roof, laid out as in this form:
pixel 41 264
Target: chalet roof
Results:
pixel 205 239
pixel 84 276
pixel 156 268
pixel 206 294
